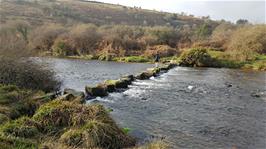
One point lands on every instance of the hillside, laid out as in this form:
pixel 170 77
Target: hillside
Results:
pixel 80 11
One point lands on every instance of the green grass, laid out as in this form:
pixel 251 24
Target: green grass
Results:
pixel 126 130
pixel 223 60
pixel 135 59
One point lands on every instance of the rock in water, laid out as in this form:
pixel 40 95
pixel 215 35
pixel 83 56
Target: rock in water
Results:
pixel 98 90
pixel 145 75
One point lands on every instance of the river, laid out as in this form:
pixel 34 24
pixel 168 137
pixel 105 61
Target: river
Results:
pixel 189 108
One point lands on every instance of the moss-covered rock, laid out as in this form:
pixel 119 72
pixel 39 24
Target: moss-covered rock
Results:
pixel 110 87
pixel 99 90
pixel 145 75
pixel 196 58
pixel 121 83
pixel 131 77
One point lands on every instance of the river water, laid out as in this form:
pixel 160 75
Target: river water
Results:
pixel 190 108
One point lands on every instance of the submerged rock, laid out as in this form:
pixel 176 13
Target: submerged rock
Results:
pixel 99 90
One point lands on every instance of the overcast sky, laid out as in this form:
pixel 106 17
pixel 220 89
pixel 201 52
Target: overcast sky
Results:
pixel 231 10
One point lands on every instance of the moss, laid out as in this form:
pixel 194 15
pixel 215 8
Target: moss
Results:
pixel 122 83
pixel 22 127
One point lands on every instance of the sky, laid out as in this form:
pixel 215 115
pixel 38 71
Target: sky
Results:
pixel 230 10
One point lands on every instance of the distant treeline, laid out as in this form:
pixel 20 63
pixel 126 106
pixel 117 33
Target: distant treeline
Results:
pixel 240 41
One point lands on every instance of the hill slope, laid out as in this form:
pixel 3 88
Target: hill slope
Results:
pixel 80 11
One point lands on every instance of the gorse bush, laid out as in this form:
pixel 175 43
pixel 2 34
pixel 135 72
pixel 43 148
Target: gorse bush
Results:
pixel 27 74
pixel 43 37
pixel 17 69
pixel 196 58
pixel 247 41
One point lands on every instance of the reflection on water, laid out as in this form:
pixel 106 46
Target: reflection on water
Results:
pixel 77 73
pixel 191 108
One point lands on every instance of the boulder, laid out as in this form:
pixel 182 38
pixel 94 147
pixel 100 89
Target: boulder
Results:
pixel 99 90
pixel 121 83
pixel 110 87
pixel 73 92
pixel 126 80
pixel 171 65
pixel 164 68
pixel 131 77
pixel 145 75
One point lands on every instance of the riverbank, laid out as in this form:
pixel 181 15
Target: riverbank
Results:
pixel 222 60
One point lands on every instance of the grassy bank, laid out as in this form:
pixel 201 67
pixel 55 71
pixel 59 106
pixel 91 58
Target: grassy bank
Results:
pixel 42 122
pixel 258 63
pixel 31 120
pixel 222 59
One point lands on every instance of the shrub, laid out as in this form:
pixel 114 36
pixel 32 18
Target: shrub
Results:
pixel 84 38
pixel 11 43
pixel 164 35
pixel 162 50
pixel 27 74
pixel 196 58
pixel 221 35
pixel 42 38
pixel 247 41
